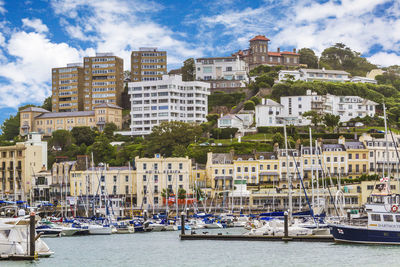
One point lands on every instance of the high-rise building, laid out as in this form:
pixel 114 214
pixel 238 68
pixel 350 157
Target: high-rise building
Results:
pixel 103 80
pixel 169 99
pixel 67 88
pixel 148 64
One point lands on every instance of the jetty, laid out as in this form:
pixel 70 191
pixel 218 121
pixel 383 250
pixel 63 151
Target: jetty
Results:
pixel 255 238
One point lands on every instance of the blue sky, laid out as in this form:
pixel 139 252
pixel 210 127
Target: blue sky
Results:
pixel 37 35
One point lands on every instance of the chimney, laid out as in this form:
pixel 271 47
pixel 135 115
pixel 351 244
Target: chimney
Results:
pixel 279 50
pixel 263 101
pixel 294 50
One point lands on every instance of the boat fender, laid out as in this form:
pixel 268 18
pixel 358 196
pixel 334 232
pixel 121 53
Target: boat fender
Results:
pixel 394 208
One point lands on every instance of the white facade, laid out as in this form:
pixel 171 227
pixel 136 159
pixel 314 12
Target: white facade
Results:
pixel 169 99
pixel 349 107
pixel 310 75
pixel 218 68
pixel 268 113
pixel 240 121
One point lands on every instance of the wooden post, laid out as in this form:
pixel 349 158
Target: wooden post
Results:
pixel 32 233
pixel 183 223
pixel 145 215
pixel 286 225
pixel 187 212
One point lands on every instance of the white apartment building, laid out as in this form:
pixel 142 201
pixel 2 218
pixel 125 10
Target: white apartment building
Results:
pixel 217 68
pixel 268 113
pixel 359 79
pixel 169 99
pixel 348 107
pixel 240 121
pixel 310 75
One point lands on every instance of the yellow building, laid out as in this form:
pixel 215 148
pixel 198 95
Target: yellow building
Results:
pixel 35 119
pixel 103 80
pixel 357 158
pixel 157 174
pixel 148 64
pixel 219 169
pixel 18 164
pixel 67 88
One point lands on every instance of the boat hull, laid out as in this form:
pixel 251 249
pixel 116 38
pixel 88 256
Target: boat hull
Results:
pixel 363 235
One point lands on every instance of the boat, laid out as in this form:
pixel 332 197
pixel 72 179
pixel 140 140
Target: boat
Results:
pixel 153 227
pixel 95 229
pixel 14 239
pixel 382 225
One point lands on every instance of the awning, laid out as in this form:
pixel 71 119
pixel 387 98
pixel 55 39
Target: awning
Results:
pixel 269 173
pixel 223 178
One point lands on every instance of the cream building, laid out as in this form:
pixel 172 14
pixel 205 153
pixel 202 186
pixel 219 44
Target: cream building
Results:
pixel 45 122
pixel 157 174
pixel 18 164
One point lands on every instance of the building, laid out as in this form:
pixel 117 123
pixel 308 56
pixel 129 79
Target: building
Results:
pixel 41 182
pixel 157 175
pixel 103 80
pixel 18 164
pixel 359 79
pixel 148 64
pixel 35 119
pixel 67 88
pixel 259 54
pixel 241 121
pixel 268 113
pixel 169 99
pixel 309 75
pixel 221 68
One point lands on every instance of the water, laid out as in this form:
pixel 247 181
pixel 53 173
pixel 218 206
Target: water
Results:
pixel 165 249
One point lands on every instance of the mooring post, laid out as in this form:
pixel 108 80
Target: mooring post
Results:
pixel 286 224
pixel 145 215
pixel 183 223
pixel 187 212
pixel 32 233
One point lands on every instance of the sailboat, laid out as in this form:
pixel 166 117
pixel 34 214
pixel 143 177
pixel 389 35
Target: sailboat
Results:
pixel 383 225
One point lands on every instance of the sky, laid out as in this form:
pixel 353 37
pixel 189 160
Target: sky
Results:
pixel 37 35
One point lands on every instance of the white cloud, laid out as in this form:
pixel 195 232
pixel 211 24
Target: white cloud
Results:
pixel 2 9
pixel 385 59
pixel 28 75
pixel 35 24
pixel 122 26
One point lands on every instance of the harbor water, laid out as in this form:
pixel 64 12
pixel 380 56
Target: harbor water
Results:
pixel 165 249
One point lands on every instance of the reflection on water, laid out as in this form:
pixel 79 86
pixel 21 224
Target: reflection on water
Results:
pixel 165 249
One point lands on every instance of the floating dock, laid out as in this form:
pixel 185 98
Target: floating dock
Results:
pixel 256 238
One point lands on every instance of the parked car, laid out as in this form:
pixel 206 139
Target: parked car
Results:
pixel 205 144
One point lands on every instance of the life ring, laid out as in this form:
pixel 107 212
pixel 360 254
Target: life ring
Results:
pixel 394 208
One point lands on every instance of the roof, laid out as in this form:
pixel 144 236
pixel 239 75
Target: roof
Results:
pixel 279 54
pixel 259 38
pixel 202 58
pixel 66 114
pixel 354 145
pixel 107 105
pixel 270 102
pixel 230 116
pixel 222 158
pixel 35 109
pixel 325 71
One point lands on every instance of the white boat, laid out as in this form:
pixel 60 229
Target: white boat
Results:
pixel 171 227
pixel 153 227
pixel 213 225
pixel 95 229
pixel 14 239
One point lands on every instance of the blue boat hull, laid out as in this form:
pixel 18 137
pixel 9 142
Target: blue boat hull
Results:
pixel 354 234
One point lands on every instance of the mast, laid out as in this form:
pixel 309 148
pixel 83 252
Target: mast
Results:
pixel 94 199
pixel 387 146
pixel 317 172
pixel 288 175
pixel 87 189
pixel 312 168
pixel 15 185
pixel 131 193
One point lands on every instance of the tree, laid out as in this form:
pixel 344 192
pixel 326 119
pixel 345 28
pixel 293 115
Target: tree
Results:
pixel 249 105
pixel 308 57
pixel 61 138
pixel 10 128
pixel 278 138
pixel 166 136
pixel 109 130
pixel 127 74
pixel 102 150
pixel 83 135
pixel 181 193
pixel 255 99
pixel 47 104
pixel 166 192
pixel 331 121
pixel 314 116
pixel 188 70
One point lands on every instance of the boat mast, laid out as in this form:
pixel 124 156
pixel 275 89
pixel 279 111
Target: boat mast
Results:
pixel 15 185
pixel 312 169
pixel 387 147
pixel 94 199
pixel 317 173
pixel 87 188
pixel 288 174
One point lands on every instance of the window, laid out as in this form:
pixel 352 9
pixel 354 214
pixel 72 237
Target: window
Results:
pixel 253 169
pixel 144 178
pixel 180 166
pixel 216 171
pixel 388 218
pixel 169 166
pixel 115 179
pixel 246 169
pixel 350 156
pixel 169 178
pixel 397 218
pixel 375 217
pixel 238 169
pixel 144 166
pixel 180 178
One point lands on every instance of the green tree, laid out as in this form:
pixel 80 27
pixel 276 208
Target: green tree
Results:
pixel 102 150
pixel 166 136
pixel 47 104
pixel 109 130
pixel 331 121
pixel 279 139
pixel 255 99
pixel 188 70
pixel 314 116
pixel 61 138
pixel 308 57
pixel 10 128
pixel 83 135
pixel 166 192
pixel 181 193
pixel 249 105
